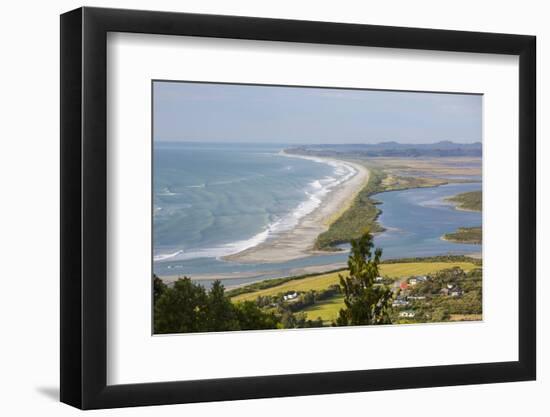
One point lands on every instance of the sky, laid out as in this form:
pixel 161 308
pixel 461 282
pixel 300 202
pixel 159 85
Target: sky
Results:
pixel 204 112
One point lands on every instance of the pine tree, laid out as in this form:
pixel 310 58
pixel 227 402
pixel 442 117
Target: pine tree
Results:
pixel 221 315
pixel 365 302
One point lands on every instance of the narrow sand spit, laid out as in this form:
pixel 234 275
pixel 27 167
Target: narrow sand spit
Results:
pixel 298 242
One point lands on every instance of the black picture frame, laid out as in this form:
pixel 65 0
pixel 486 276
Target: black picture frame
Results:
pixel 84 207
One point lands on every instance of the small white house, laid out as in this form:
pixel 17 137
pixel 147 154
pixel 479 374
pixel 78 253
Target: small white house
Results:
pixel 456 292
pixel 417 280
pixel 291 296
pixel 407 314
pixel 452 291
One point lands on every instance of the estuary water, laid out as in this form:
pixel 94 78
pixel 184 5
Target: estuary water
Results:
pixel 212 200
pixel 416 219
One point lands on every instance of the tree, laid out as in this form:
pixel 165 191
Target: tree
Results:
pixel 251 317
pixel 220 314
pixel 309 298
pixel 288 320
pixel 158 288
pixel 187 307
pixel 181 308
pixel 303 322
pixel 365 302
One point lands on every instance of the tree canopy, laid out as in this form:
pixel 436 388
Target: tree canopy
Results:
pixel 365 302
pixel 187 307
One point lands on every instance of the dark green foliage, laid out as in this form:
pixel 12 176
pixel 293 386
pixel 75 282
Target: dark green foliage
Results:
pixel 221 314
pixel 308 298
pixel 250 317
pixel 182 308
pixel 366 303
pixel 290 320
pixel 187 307
pixel 427 288
pixel 440 314
pixel 301 321
pixel 441 258
pixel 158 287
pixel 264 300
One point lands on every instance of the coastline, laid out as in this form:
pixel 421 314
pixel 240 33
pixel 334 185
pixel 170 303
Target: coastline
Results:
pixel 299 241
pixel 459 204
pixel 466 209
pixel 306 270
pixel 455 236
pixel 462 242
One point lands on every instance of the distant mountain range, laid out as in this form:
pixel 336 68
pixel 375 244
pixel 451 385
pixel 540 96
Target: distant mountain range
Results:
pixel 391 149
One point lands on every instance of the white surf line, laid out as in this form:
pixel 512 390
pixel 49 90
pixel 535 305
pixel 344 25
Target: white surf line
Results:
pixel 298 242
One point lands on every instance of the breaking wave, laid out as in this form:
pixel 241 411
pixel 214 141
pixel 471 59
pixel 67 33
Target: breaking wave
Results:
pixel 315 192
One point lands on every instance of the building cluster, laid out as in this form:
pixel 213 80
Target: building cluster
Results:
pixel 406 296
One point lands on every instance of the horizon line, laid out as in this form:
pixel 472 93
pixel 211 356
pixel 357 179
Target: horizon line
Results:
pixel 318 143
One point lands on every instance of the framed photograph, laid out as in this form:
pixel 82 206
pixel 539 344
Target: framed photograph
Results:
pixel 258 208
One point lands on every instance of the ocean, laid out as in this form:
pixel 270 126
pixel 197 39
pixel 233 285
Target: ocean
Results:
pixel 211 200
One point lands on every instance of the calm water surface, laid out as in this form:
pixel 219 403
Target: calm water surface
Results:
pixel 416 219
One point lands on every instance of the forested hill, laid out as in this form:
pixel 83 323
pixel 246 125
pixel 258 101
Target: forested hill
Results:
pixel 391 149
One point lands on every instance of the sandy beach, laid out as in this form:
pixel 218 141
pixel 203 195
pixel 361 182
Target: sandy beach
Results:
pixel 299 241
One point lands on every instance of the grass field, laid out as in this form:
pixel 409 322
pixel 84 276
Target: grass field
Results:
pixel 323 281
pixel 466 317
pixel 327 310
pixel 318 282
